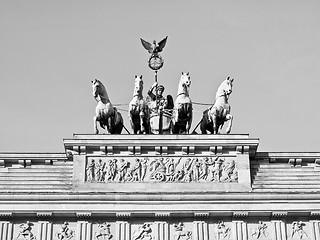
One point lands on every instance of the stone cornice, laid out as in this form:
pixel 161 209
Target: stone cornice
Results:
pixel 160 144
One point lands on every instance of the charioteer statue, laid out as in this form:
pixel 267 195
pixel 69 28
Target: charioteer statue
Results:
pixel 160 108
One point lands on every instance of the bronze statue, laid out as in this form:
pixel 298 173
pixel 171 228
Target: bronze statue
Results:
pixel 182 113
pixel 138 109
pixel 107 115
pixel 154 48
pixel 214 117
pixel 160 108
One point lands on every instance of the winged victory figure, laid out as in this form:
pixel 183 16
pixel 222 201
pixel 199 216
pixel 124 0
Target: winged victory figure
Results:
pixel 154 48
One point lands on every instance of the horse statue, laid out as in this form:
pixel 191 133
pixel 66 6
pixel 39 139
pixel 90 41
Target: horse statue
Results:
pixel 138 109
pixel 107 115
pixel 182 112
pixel 214 117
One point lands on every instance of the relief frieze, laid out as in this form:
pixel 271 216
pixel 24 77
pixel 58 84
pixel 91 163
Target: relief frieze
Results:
pixel 25 232
pixel 181 233
pixel 65 233
pixel 104 232
pixel 144 232
pixel 159 169
pixel 259 231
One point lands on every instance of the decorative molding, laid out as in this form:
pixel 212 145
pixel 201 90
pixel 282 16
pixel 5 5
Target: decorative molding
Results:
pixel 131 150
pixel 2 163
pixel 162 215
pixel 102 149
pixel 191 150
pixel 201 215
pixel 137 150
pixel 165 150
pixel 272 160
pixel 279 214
pixel 298 162
pixel 109 150
pixel 28 163
pixel 315 214
pixel 123 215
pixel 219 149
pixel 84 215
pixel 83 150
pixel 44 215
pixel 157 149
pixel 5 215
pixel 240 214
pixel 185 150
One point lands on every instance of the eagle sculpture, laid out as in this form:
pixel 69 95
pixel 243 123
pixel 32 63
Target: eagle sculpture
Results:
pixel 154 48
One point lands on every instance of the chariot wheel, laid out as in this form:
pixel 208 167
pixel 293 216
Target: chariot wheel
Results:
pixel 159 177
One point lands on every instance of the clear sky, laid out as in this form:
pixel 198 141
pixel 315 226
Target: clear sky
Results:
pixel 51 50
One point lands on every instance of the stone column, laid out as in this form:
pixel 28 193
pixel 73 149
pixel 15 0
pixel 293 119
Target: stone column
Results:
pixel 239 230
pixel 279 230
pixel 44 230
pixel 5 230
pixel 161 231
pixel 200 230
pixel 123 230
pixel 84 230
pixel 315 230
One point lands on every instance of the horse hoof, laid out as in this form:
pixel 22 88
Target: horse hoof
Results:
pixel 96 132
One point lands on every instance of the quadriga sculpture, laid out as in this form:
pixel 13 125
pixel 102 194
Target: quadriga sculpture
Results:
pixel 107 115
pixel 182 112
pixel 214 117
pixel 138 109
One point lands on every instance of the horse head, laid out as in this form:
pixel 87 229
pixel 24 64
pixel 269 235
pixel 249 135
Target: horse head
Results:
pixel 225 88
pixel 138 85
pixel 99 90
pixel 185 79
pixel 184 84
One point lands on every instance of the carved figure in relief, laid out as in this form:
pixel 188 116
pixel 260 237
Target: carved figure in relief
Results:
pixel 228 171
pixel 260 231
pixel 222 232
pixel 144 168
pixel 181 234
pixel 123 168
pixel 196 170
pixel 297 230
pixel 216 171
pixel 111 169
pixel 65 233
pixel 143 233
pixel 204 168
pixel 136 171
pixel 171 169
pixel 103 232
pixel 158 170
pixel 25 231
pixel 99 171
pixel 90 171
pixel 187 170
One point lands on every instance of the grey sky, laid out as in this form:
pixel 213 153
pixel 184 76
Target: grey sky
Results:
pixel 51 50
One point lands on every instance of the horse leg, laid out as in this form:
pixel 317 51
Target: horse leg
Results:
pixel 189 121
pixel 95 127
pixel 141 116
pixel 230 118
pixel 215 125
